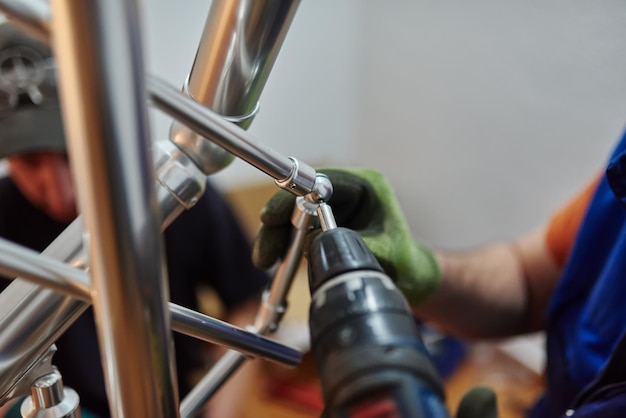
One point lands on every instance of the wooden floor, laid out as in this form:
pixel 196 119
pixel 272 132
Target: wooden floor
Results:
pixel 516 386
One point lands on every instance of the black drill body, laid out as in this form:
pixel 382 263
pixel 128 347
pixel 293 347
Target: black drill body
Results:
pixel 370 356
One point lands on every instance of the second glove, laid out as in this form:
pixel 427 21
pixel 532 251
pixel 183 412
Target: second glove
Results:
pixel 363 200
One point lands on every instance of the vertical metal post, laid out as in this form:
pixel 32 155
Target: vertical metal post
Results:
pixel 101 78
pixel 237 50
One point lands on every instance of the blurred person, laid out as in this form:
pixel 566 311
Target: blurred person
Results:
pixel 205 246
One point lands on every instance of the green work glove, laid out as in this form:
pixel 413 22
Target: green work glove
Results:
pixel 478 402
pixel 362 200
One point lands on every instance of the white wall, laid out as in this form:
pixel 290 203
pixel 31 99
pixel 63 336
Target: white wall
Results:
pixel 485 115
pixel 308 105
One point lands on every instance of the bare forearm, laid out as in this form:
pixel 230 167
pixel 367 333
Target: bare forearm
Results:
pixel 493 292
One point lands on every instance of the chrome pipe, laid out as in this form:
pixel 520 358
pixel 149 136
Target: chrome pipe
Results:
pixel 210 383
pixel 239 45
pixel 269 315
pixel 17 261
pixel 180 182
pixel 260 55
pixel 52 273
pixel 97 47
pixel 32 318
pixel 31 15
pixel 288 172
pixel 274 303
pixel 238 48
pixel 46 314
pixel 209 329
pixel 50 313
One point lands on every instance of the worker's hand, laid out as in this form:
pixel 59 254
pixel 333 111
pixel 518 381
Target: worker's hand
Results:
pixel 362 200
pixel 478 402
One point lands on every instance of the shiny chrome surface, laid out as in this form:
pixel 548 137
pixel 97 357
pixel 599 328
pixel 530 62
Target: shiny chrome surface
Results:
pixel 269 315
pixel 179 177
pixel 31 15
pixel 32 317
pixel 301 177
pixel 55 274
pixel 50 399
pixel 46 314
pixel 228 364
pixel 101 78
pixel 239 45
pixel 42 367
pixel 326 216
pixel 322 189
pixel 18 261
pixel 207 155
pixel 274 301
pixel 197 325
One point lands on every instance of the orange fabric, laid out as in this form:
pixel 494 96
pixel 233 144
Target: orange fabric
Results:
pixel 564 224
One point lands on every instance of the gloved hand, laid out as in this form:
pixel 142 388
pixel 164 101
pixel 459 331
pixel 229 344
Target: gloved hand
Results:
pixel 363 200
pixel 478 402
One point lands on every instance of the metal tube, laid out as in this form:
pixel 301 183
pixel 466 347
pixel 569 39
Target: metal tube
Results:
pixel 209 329
pixel 326 217
pixel 44 270
pixel 259 54
pixel 61 311
pixel 32 15
pixel 228 364
pixel 47 314
pixel 274 302
pixel 237 50
pixel 269 314
pixel 32 317
pixel 297 177
pixel 99 58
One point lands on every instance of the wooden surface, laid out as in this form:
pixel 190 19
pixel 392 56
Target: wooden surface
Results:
pixel 516 387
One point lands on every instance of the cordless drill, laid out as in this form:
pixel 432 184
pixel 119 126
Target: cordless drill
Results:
pixel 369 354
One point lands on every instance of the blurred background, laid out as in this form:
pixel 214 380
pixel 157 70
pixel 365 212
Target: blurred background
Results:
pixel 486 115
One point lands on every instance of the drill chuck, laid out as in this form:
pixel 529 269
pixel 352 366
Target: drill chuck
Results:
pixel 367 348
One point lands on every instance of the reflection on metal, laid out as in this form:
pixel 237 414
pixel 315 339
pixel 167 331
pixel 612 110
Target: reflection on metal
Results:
pixel 269 315
pixel 302 178
pixel 43 314
pixel 97 46
pixel 42 367
pixel 50 399
pixel 212 330
pixel 31 15
pixel 17 260
pixel 182 183
pixel 238 48
pixel 33 317
pixel 228 364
